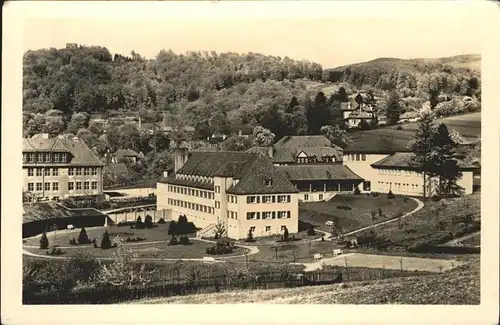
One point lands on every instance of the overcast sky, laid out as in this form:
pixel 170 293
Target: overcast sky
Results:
pixel 328 41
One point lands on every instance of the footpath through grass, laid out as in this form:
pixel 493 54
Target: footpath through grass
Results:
pixel 350 212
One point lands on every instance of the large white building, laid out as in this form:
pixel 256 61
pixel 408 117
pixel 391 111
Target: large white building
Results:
pixel 243 191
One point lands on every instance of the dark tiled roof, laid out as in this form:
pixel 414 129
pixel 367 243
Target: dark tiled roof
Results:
pixel 318 172
pixel 118 168
pixel 358 114
pixel 249 169
pixel 376 144
pixel 261 150
pixel 303 141
pixel 53 210
pixel 81 153
pixel 320 152
pixel 404 159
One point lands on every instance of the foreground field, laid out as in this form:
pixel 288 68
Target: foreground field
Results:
pixel 460 286
pixel 360 214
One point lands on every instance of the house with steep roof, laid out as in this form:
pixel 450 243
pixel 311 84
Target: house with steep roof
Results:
pixel 126 156
pixel 58 167
pixel 243 191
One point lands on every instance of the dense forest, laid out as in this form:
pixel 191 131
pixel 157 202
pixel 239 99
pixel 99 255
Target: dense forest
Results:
pixel 65 89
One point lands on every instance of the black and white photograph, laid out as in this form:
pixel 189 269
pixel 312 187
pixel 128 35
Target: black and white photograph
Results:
pixel 229 157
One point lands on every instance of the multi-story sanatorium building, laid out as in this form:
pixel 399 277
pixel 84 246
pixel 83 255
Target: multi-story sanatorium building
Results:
pixel 243 191
pixel 58 167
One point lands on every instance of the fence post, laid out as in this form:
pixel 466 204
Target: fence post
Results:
pixel 401 264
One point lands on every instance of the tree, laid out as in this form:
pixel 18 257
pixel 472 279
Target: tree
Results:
pixel 44 241
pixel 78 121
pixel 422 148
pixel 444 161
pixel 148 221
pixel 335 134
pixel 285 234
pixel 105 242
pixel 83 238
pixel 394 109
pixel 220 231
pixel 263 137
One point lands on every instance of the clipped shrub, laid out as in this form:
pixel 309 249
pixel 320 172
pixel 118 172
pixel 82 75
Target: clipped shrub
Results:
pixel 373 214
pixel 184 240
pixel 344 207
pixel 72 241
pixel 161 221
pixel 95 245
pixel 380 214
pixel 399 128
pixel 55 251
pixel 44 241
pixel 285 234
pixel 148 221
pixel 83 238
pixel 311 231
pixel 139 224
pixel 357 191
pixel 105 242
pixel 374 194
pixel 390 195
pixel 173 241
pixel 125 223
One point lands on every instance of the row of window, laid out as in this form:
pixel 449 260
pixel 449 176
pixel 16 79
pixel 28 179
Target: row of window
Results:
pixel 78 185
pixel 268 215
pixel 78 171
pixel 269 198
pixel 43 171
pixel 355 157
pixel 268 228
pixel 189 191
pixel 45 186
pixel 307 160
pixel 232 199
pixel 397 172
pixel 45 157
pixel 191 206
pixel 402 186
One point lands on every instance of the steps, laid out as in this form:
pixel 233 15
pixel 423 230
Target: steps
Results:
pixel 205 230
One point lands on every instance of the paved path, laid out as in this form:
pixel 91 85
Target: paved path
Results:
pixel 110 211
pixel 461 239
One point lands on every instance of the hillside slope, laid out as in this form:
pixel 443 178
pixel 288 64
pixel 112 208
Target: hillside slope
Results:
pixel 460 286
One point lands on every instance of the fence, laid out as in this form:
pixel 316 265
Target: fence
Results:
pixel 111 295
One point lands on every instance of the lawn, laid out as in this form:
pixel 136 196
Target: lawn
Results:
pixel 473 241
pixel 317 213
pixel 468 125
pixel 62 237
pixel 436 223
pixel 197 249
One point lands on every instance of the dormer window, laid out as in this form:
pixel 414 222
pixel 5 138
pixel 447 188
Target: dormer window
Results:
pixel 63 157
pixel 268 182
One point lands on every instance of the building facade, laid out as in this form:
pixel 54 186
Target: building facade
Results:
pixel 59 167
pixel 242 191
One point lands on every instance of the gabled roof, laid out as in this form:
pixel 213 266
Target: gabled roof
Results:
pixel 320 152
pixel 303 141
pixel 249 169
pixel 118 168
pixel 318 172
pixel 403 160
pixel 81 153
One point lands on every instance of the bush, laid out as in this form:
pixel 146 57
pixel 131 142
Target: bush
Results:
pixel 285 234
pixel 139 224
pixel 184 240
pixel 134 239
pixel 399 127
pixel 148 221
pixel 374 214
pixel 344 207
pixel 161 221
pixel 357 191
pixel 436 198
pixel 72 241
pixel 181 227
pixel 173 241
pixel 220 248
pixel 83 238
pixel 125 223
pixel 249 238
pixel 390 195
pixel 105 242
pixel 380 214
pixel 44 241
pixel 374 194
pixel 55 251
pixel 311 232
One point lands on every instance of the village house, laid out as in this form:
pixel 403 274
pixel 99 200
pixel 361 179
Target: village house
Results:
pixel 353 113
pixel 58 167
pixel 243 191
pixel 409 117
pixel 126 156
